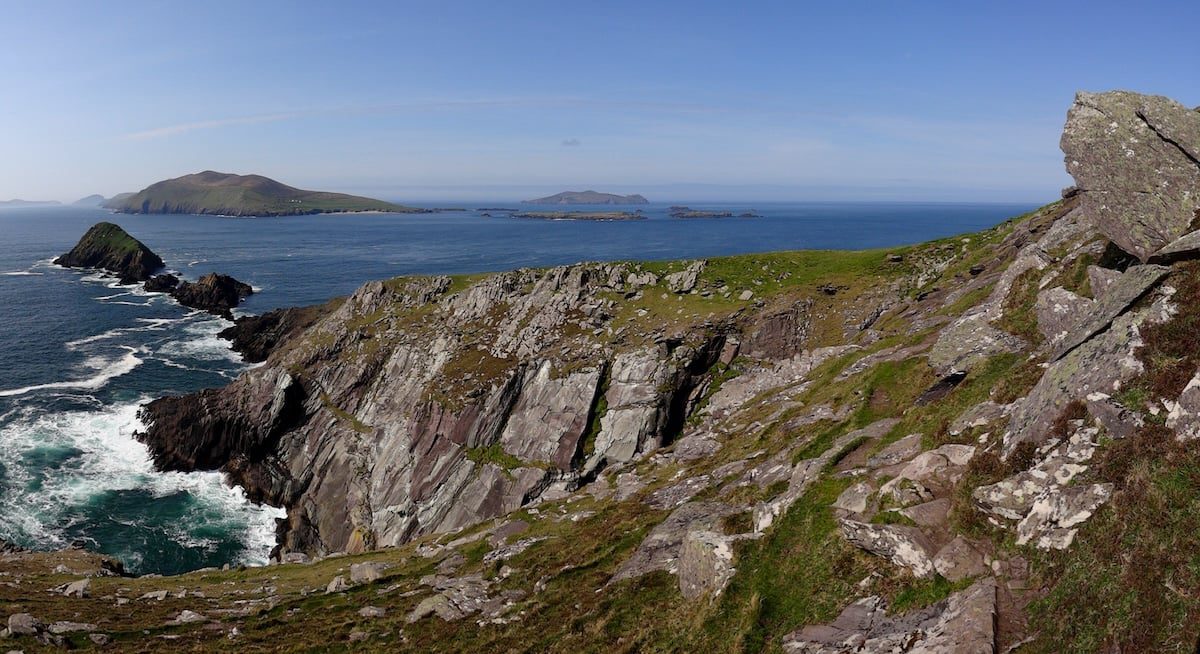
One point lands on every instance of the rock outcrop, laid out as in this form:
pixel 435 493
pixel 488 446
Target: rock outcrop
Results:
pixel 214 293
pixel 479 406
pixel 1136 162
pixel 965 623
pixel 108 247
pixel 256 337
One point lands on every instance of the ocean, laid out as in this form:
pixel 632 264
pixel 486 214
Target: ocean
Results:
pixel 79 353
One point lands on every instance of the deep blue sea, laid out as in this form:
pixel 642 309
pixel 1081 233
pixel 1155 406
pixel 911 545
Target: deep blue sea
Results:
pixel 80 353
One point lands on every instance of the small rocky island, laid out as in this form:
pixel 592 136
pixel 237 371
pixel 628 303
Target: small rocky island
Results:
pixel 688 212
pixel 108 247
pixel 28 203
pixel 215 293
pixel 589 197
pixel 602 216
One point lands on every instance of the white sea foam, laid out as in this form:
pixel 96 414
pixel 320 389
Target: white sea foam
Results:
pixel 110 459
pixel 148 325
pixel 22 273
pixel 106 370
pixel 201 343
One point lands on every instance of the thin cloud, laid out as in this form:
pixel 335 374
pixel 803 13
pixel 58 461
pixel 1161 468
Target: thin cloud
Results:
pixel 571 143
pixel 433 105
pixel 184 128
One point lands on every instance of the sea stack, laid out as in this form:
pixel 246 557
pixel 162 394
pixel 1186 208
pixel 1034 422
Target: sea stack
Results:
pixel 215 293
pixel 108 247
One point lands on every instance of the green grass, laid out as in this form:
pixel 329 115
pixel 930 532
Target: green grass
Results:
pixel 799 574
pixel 925 592
pixel 495 455
pixel 112 238
pixel 1020 307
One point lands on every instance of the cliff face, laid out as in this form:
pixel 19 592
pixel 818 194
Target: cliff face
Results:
pixel 416 407
pixel 108 247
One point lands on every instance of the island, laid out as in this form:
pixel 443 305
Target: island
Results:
pixel 581 215
pixel 28 203
pixel 108 247
pixel 688 212
pixel 93 200
pixel 215 293
pixel 588 197
pixel 224 194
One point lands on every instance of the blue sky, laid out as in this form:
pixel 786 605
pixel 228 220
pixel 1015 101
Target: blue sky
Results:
pixel 680 100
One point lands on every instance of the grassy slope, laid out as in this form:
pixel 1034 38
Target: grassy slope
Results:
pixel 111 238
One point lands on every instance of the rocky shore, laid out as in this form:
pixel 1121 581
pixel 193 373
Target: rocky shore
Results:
pixel 109 248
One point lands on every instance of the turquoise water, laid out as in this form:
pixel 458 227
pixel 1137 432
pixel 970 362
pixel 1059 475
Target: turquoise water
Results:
pixel 79 353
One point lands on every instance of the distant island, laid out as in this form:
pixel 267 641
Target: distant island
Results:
pixel 688 212
pixel 588 197
pixel 581 215
pixel 223 194
pixel 28 203
pixel 90 201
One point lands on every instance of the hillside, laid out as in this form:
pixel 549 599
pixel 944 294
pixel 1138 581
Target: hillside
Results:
pixel 984 443
pixel 242 195
pixel 588 197
pixel 94 200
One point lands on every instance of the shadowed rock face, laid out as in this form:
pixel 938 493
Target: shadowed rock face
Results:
pixel 108 247
pixel 1136 161
pixel 255 337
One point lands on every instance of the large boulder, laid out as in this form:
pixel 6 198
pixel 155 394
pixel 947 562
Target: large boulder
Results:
pixel 905 546
pixel 1136 161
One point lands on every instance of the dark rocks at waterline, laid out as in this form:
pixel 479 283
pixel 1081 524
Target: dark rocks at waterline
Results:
pixel 108 247
pixel 164 283
pixel 214 293
pixel 256 337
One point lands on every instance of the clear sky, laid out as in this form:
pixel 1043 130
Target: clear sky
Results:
pixel 954 100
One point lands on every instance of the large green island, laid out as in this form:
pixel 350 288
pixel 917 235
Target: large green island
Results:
pixel 224 194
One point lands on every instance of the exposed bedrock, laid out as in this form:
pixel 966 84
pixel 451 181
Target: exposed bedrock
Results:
pixel 1136 162
pixel 408 409
pixel 256 337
